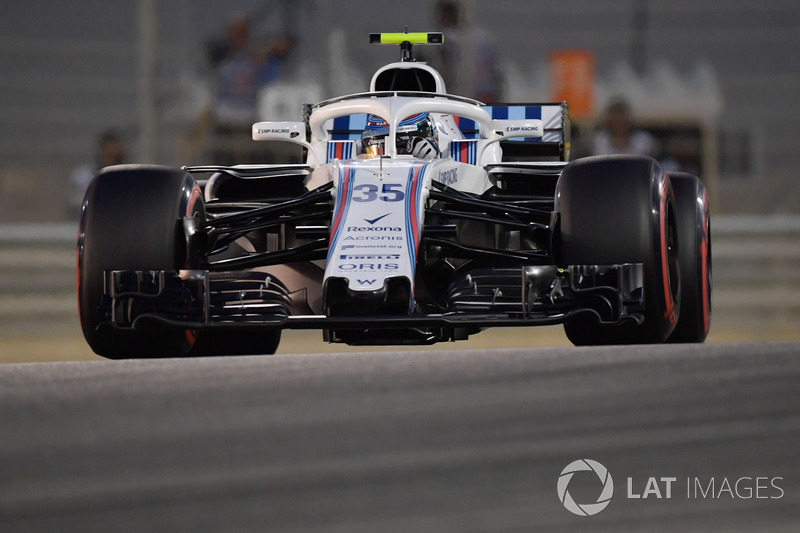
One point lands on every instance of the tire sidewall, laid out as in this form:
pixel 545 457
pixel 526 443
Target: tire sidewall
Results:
pixel 695 252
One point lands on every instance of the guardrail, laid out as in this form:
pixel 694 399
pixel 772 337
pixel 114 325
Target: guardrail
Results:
pixel 37 278
pixel 756 265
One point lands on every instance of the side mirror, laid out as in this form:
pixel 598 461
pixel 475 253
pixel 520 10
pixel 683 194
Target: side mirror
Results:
pixel 519 128
pixel 279 131
pixel 293 132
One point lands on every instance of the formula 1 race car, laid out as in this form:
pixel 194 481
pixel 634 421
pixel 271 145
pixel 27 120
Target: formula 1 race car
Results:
pixel 418 217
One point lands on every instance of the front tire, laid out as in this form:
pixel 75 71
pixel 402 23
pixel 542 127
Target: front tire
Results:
pixel 621 209
pixel 131 220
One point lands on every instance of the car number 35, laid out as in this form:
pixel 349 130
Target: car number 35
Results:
pixel 368 192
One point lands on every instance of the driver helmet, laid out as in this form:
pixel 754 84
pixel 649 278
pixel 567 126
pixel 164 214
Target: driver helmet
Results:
pixel 417 126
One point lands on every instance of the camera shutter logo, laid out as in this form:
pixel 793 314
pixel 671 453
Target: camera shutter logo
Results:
pixel 585 509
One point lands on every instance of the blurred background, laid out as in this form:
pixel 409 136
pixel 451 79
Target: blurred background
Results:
pixel 707 86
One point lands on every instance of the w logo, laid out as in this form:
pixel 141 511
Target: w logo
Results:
pixel 365 281
pixel 585 509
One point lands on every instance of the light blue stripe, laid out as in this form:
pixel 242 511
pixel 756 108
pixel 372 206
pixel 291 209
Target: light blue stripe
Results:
pixel 516 112
pixel 342 196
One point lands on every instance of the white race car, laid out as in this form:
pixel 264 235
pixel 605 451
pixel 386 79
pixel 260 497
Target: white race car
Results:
pixel 418 217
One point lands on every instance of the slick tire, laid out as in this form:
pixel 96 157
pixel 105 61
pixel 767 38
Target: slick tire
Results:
pixel 131 219
pixel 694 238
pixel 621 209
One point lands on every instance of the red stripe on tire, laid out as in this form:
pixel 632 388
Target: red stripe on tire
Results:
pixel 669 312
pixel 704 265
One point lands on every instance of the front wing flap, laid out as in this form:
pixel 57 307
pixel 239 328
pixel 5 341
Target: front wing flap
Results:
pixel 507 297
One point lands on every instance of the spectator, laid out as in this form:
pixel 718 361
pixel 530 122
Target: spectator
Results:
pixel 241 70
pixel 110 151
pixel 618 136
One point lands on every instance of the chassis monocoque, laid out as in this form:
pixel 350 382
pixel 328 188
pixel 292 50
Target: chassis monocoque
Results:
pixel 497 229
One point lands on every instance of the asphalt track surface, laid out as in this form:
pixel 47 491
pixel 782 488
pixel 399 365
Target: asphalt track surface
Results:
pixel 446 441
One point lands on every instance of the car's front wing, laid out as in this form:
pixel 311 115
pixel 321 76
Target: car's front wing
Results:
pixel 507 297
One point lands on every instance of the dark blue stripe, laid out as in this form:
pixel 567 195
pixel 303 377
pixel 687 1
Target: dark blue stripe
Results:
pixel 341 123
pixel 533 111
pixel 468 127
pixel 499 112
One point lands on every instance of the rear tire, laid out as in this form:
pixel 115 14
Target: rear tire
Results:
pixel 131 220
pixel 621 209
pixel 694 230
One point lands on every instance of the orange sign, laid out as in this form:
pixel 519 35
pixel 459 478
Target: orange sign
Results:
pixel 572 80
